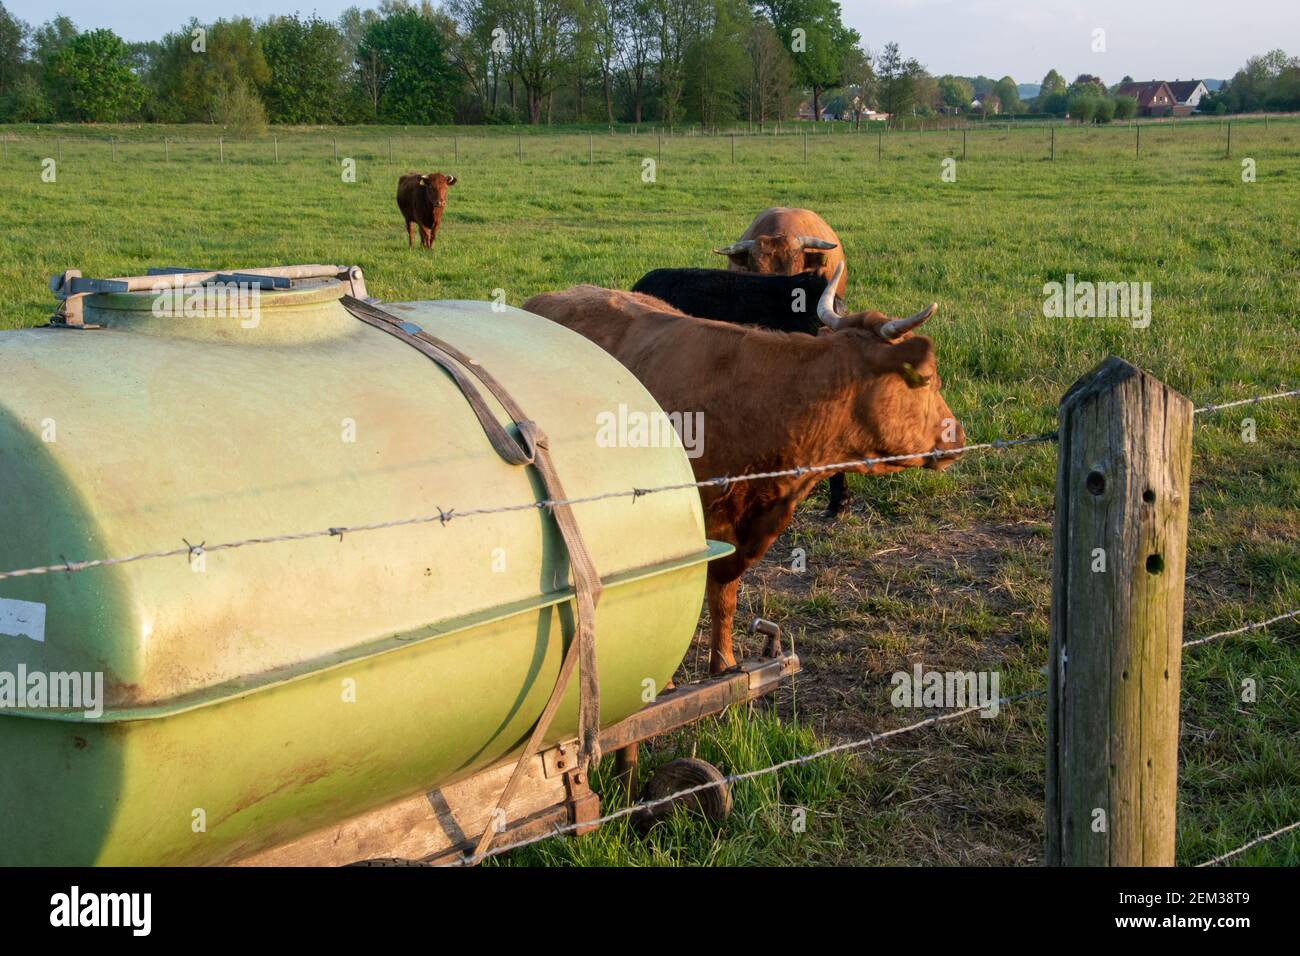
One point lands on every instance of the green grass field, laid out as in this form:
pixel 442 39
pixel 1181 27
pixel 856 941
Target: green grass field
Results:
pixel 951 570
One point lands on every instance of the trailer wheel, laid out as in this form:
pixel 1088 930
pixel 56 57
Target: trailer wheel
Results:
pixel 713 803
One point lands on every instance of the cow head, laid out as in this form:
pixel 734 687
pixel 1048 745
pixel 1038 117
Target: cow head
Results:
pixel 899 409
pixel 778 255
pixel 435 187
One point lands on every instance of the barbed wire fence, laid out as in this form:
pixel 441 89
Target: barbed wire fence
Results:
pixel 443 517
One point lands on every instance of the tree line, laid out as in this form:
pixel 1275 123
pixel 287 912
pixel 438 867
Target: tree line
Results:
pixel 670 62
pixel 465 61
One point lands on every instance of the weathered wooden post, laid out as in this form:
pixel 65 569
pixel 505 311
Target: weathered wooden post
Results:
pixel 1122 489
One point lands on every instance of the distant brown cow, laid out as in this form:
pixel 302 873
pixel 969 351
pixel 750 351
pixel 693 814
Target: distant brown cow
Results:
pixel 787 242
pixel 422 197
pixel 771 401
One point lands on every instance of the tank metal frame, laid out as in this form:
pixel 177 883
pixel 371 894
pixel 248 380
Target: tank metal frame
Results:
pixel 442 825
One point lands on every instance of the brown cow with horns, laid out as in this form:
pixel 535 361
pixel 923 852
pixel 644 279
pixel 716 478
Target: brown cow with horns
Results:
pixel 786 242
pixel 772 401
pixel 422 197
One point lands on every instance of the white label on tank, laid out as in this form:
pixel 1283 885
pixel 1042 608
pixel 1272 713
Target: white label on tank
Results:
pixel 22 619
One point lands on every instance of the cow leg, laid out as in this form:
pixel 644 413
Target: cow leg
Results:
pixel 410 237
pixel 839 494
pixel 426 237
pixel 722 610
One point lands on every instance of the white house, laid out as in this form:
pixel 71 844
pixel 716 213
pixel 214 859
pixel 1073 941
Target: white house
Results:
pixel 1189 92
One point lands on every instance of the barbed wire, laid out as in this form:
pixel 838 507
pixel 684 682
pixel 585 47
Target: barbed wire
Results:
pixel 1246 846
pixel 1205 409
pixel 1243 629
pixel 446 516
pixel 729 779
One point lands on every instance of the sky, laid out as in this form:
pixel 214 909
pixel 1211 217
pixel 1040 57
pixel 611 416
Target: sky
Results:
pixel 1145 39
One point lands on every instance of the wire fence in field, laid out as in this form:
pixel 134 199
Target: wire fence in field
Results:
pixel 739 144
pixel 645 806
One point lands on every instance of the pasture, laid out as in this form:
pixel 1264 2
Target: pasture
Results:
pixel 950 570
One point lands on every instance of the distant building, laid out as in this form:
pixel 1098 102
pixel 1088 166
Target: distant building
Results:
pixel 1154 98
pixel 1189 93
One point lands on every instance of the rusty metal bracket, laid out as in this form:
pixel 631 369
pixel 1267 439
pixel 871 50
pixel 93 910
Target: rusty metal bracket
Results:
pixel 560 759
pixel 772 631
pixel 583 802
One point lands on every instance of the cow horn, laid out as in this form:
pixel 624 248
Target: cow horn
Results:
pixel 896 327
pixel 744 245
pixel 826 304
pixel 812 242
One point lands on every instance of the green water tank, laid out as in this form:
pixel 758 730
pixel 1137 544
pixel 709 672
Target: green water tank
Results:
pixel 255 694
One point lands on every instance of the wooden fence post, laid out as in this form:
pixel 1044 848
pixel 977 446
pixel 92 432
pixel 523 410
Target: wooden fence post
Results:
pixel 1122 488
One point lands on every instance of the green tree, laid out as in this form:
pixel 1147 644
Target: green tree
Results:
pixel 818 51
pixel 716 66
pixel 537 35
pixel 769 72
pixel 415 82
pixel 1008 95
pixel 1125 107
pixel 239 109
pixel 896 78
pixel 92 79
pixel 13 50
pixel 199 60
pixel 955 92
pixel 1083 105
pixel 1053 84
pixel 305 60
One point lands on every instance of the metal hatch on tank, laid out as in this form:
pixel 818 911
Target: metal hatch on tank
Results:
pixel 256 695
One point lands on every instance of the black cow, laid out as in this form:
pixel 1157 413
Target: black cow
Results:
pixel 784 303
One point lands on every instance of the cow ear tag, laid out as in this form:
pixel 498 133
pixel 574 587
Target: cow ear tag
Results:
pixel 912 377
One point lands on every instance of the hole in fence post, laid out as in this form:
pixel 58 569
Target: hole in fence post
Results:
pixel 1155 564
pixel 1148 496
pixel 1095 483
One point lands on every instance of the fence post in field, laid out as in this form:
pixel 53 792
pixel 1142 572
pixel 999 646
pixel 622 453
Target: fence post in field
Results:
pixel 276 140
pixel 733 149
pixel 1138 148
pixel 1053 144
pixel 1119 556
pixel 167 150
pixel 221 148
